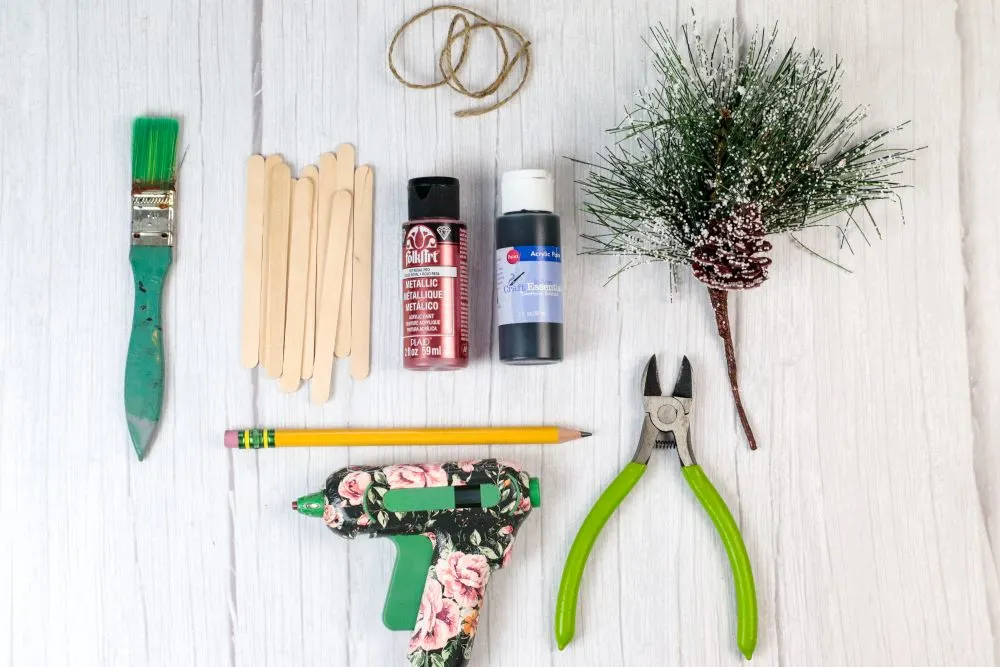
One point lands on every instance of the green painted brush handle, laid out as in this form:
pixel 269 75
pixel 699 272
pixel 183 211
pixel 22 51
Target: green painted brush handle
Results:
pixel 144 366
pixel 569 586
pixel 746 595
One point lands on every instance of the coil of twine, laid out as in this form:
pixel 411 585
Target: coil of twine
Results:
pixel 516 50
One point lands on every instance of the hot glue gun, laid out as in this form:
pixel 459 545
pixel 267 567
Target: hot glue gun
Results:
pixel 453 524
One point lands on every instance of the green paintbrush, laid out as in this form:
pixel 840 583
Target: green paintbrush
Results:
pixel 154 147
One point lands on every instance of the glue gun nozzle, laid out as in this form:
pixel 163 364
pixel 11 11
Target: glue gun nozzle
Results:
pixel 312 505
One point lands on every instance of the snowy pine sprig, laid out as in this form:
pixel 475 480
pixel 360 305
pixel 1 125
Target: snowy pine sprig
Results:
pixel 728 147
pixel 723 129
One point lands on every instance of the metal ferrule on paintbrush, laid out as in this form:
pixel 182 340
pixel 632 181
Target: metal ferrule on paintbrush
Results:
pixel 153 217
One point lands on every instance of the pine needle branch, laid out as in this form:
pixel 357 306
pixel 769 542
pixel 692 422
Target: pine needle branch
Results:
pixel 732 145
pixel 789 147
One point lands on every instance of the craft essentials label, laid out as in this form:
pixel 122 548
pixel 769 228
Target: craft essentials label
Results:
pixel 529 284
pixel 435 290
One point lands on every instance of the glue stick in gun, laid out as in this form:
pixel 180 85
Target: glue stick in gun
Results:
pixel 453 524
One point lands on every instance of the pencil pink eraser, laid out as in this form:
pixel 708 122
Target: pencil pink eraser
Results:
pixel 232 439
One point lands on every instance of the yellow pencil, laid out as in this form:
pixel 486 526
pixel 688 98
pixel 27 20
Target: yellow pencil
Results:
pixel 261 438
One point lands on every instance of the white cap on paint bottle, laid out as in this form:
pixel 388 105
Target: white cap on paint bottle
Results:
pixel 527 190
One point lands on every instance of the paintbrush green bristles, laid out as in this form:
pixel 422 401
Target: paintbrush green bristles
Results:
pixel 154 148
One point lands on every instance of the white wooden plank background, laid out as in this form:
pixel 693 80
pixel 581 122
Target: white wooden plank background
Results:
pixel 871 513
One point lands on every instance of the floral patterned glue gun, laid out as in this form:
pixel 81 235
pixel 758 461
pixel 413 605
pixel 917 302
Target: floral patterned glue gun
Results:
pixel 452 523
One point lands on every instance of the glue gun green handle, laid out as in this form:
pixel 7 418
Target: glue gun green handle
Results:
pixel 569 586
pixel 746 595
pixel 144 365
pixel 414 557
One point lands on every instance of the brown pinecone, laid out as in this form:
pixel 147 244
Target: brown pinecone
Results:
pixel 726 256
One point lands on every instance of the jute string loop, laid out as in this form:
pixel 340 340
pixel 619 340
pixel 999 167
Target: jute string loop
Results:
pixel 463 26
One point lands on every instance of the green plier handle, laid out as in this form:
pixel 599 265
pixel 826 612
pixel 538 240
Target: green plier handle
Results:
pixel 569 585
pixel 739 561
pixel 746 596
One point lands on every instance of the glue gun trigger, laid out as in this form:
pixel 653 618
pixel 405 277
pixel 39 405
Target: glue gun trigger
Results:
pixel 414 554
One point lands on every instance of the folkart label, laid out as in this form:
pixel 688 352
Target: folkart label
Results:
pixel 435 292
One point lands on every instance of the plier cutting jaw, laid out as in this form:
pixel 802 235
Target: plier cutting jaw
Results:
pixel 665 425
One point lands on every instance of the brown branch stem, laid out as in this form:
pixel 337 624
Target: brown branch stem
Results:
pixel 720 304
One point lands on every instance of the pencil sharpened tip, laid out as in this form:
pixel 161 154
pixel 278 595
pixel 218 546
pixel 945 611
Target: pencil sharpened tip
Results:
pixel 585 434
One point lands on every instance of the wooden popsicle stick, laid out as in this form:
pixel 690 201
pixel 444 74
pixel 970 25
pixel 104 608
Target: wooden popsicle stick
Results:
pixel 269 163
pixel 345 181
pixel 328 312
pixel 361 290
pixel 279 201
pixel 253 258
pixel 309 343
pixel 325 188
pixel 298 275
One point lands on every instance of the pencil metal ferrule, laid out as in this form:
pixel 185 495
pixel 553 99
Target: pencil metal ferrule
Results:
pixel 153 218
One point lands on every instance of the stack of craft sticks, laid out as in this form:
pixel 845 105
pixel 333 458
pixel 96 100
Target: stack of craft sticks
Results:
pixel 307 270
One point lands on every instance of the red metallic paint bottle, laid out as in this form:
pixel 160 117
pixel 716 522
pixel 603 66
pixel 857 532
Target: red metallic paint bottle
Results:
pixel 435 277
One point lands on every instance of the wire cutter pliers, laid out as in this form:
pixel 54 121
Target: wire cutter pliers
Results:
pixel 665 425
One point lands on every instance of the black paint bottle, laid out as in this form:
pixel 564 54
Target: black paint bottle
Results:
pixel 529 270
